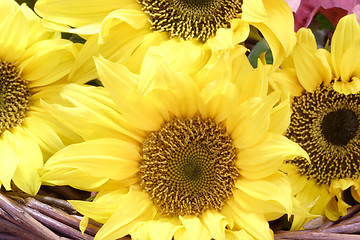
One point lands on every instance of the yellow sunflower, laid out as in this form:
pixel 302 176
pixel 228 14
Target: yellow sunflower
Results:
pixel 31 60
pixel 325 120
pixel 185 31
pixel 174 156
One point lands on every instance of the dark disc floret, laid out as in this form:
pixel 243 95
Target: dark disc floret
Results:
pixel 325 123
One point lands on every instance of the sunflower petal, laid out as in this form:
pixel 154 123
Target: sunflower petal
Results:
pixel 216 223
pixel 309 68
pixel 163 229
pixel 194 228
pixel 30 159
pixel 101 209
pixel 253 223
pixel 250 121
pixel 347 31
pixel 268 195
pixel 98 154
pixel 14 34
pixel 76 13
pixel 264 158
pixel 350 64
pixel 275 21
pixel 135 207
pixel 96 109
pixel 9 160
pixel 122 86
pixel 305 36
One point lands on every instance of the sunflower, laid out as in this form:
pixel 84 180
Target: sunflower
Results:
pixel 325 120
pixel 31 59
pixel 185 31
pixel 177 156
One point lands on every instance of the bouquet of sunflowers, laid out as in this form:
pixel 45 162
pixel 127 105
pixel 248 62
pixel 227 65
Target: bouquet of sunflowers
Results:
pixel 179 119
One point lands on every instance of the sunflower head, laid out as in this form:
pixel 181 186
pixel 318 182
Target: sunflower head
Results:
pixel 34 65
pixel 197 158
pixel 184 31
pixel 325 120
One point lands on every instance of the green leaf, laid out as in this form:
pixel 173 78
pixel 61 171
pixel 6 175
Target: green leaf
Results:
pixel 324 22
pixel 259 48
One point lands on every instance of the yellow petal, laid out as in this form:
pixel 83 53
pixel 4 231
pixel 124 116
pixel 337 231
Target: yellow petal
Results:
pixel 250 120
pixel 76 13
pixel 250 82
pixel 183 56
pixel 305 36
pixel 62 176
pixel 268 195
pixel 30 160
pixel 7 7
pixel 275 21
pixel 99 154
pixel 226 39
pixel 157 82
pixel 47 61
pixel 238 235
pixel 352 87
pixel 216 223
pixel 37 31
pixel 14 34
pixel 194 228
pixel 92 109
pixel 280 115
pixel 286 80
pixel 253 223
pixel 347 31
pixel 40 126
pixel 101 209
pixel 219 99
pixel 310 70
pixel 265 158
pixel 163 229
pixel 135 207
pixel 350 64
pixel 9 160
pixel 83 69
pixel 312 197
pixel 134 28
pixel 122 86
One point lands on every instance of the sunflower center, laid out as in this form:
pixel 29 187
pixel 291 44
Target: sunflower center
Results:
pixel 188 19
pixel 14 96
pixel 326 124
pixel 188 166
pixel 340 126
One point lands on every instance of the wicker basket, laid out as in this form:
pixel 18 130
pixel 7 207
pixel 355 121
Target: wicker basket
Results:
pixel 346 228
pixel 48 216
pixel 42 217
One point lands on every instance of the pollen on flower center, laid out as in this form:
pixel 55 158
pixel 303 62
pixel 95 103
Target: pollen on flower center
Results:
pixel 14 96
pixel 326 124
pixel 198 19
pixel 188 166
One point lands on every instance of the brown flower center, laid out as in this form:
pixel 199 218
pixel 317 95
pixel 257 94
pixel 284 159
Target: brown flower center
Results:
pixel 188 19
pixel 326 124
pixel 14 96
pixel 188 166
